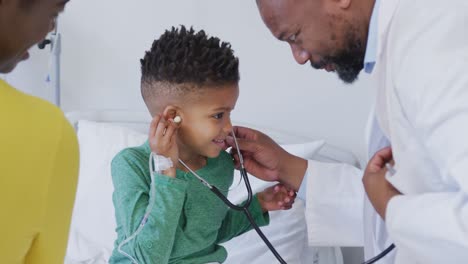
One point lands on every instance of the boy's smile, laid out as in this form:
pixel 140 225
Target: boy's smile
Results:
pixel 220 142
pixel 206 121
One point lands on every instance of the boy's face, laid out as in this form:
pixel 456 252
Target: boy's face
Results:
pixel 206 122
pixel 24 23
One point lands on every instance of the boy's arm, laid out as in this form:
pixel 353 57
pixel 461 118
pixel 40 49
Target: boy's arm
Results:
pixel 236 223
pixel 131 198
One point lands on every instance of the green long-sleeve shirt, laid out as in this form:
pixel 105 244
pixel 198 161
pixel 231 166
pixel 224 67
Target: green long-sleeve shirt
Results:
pixel 187 222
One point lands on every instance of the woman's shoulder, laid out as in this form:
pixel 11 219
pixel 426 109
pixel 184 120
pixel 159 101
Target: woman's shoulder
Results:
pixel 23 115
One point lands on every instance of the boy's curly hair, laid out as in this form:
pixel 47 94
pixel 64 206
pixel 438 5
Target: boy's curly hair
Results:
pixel 183 56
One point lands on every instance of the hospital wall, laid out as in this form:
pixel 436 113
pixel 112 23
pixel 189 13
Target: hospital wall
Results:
pixel 104 40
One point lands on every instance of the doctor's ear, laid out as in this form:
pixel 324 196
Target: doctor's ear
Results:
pixel 172 112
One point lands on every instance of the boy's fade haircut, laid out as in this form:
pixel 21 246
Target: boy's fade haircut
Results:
pixel 183 59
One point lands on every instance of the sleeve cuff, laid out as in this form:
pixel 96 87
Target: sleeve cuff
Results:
pixel 165 181
pixel 334 192
pixel 261 218
pixel 302 192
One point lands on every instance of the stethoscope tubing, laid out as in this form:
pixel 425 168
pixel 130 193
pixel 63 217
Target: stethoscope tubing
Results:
pixel 244 208
pixel 380 256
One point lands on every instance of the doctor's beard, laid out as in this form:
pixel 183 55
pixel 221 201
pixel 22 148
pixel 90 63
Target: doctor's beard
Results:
pixel 348 62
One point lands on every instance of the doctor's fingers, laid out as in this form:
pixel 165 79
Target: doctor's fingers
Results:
pixel 245 145
pixel 235 156
pixel 245 132
pixel 245 154
pixel 380 158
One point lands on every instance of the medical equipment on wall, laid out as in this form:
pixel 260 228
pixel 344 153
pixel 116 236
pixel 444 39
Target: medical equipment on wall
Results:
pixel 392 171
pixel 54 39
pixel 163 164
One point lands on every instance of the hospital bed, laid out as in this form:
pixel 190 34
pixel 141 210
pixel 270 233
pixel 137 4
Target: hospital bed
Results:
pixel 102 134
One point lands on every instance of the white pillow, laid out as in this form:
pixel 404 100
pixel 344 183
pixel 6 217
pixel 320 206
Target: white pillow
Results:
pixel 92 231
pixel 93 222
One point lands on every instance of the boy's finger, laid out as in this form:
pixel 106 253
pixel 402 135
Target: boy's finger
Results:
pixel 277 188
pixel 171 127
pixel 154 125
pixel 161 128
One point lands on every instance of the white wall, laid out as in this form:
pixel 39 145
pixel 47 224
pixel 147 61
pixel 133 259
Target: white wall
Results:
pixel 104 40
pixel 30 76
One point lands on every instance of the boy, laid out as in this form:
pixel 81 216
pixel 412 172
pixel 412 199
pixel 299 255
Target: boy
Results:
pixel 193 79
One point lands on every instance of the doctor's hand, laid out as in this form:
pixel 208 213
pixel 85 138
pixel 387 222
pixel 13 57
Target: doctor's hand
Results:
pixel 266 160
pixel 276 197
pixel 378 189
pixel 162 141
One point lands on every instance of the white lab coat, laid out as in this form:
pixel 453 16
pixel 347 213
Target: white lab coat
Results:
pixel 422 108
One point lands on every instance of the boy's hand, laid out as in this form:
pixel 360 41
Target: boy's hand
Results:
pixel 162 140
pixel 275 198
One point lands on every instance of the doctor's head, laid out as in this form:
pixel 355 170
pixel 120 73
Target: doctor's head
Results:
pixel 193 76
pixel 329 34
pixel 24 23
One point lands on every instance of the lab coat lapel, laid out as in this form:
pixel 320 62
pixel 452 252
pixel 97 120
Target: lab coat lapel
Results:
pixel 386 12
pixel 375 236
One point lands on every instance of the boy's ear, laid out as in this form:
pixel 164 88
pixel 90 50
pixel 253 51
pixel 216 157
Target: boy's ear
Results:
pixel 171 111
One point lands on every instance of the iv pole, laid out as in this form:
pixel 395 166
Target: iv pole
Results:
pixel 55 41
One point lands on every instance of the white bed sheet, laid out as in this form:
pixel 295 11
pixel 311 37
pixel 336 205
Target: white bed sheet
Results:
pixel 92 229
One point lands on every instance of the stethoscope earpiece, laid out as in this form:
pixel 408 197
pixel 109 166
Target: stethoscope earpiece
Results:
pixel 177 119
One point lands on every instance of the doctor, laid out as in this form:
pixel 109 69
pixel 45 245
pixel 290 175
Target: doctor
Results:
pixel 417 53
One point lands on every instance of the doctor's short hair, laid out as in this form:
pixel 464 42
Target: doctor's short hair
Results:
pixel 185 60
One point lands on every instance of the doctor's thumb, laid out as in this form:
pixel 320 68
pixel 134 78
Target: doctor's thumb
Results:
pixel 385 154
pixel 381 157
pixel 244 144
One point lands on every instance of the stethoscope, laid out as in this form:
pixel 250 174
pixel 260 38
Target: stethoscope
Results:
pixel 245 206
pixel 381 255
pixel 217 192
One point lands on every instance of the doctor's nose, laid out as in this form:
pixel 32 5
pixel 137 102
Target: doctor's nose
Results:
pixel 301 56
